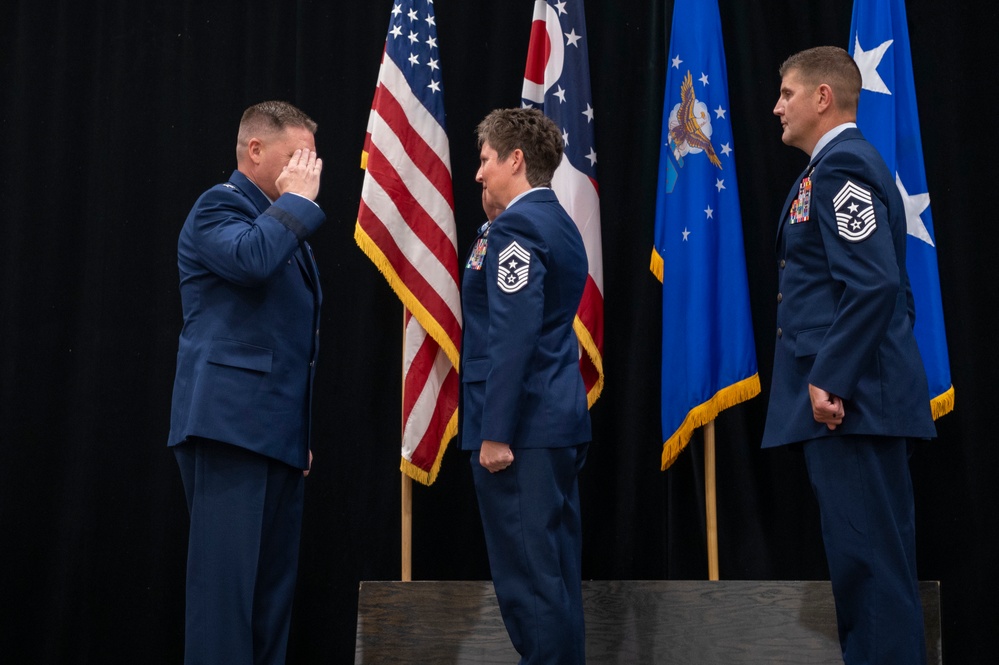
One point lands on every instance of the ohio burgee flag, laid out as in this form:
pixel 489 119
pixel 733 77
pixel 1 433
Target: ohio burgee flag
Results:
pixel 405 225
pixel 557 81
pixel 879 44
pixel 708 352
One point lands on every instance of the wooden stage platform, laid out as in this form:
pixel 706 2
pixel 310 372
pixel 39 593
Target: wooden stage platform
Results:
pixel 627 622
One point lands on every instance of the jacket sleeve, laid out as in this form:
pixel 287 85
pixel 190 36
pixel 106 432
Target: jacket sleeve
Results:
pixel 243 246
pixel 515 283
pixel 864 273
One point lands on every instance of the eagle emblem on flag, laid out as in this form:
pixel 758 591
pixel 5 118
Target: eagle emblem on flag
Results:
pixel 690 124
pixel 689 132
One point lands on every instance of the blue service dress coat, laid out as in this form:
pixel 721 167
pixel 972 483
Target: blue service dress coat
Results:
pixel 251 297
pixel 521 383
pixel 845 310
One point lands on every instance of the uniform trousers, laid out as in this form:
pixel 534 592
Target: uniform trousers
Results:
pixel 246 521
pixel 864 493
pixel 531 519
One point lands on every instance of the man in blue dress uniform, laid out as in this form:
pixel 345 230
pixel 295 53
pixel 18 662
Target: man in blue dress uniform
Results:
pixel 240 420
pixel 524 410
pixel 848 381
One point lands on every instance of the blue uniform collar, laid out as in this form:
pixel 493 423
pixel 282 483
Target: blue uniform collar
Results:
pixel 829 136
pixel 523 194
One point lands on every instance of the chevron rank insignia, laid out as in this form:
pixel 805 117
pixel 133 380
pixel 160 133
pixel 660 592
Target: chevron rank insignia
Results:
pixel 514 264
pixel 854 213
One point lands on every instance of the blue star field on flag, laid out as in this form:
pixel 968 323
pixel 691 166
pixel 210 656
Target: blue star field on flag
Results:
pixel 412 44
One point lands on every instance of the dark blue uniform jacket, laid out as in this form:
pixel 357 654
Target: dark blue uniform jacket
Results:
pixel 845 312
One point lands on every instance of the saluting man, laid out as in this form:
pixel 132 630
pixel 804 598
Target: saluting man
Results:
pixel 240 422
pixel 848 381
pixel 524 407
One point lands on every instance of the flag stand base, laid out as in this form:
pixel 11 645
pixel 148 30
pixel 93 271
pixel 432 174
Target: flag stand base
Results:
pixel 675 621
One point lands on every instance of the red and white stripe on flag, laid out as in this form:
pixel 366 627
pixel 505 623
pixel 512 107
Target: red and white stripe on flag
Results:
pixel 406 226
pixel 557 81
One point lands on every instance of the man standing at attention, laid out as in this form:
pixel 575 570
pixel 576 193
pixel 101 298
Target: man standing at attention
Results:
pixel 240 420
pixel 524 412
pixel 848 381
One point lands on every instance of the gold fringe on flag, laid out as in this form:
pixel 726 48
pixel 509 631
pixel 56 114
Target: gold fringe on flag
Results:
pixel 409 301
pixel 943 404
pixel 656 265
pixel 591 351
pixel 705 413
pixel 428 477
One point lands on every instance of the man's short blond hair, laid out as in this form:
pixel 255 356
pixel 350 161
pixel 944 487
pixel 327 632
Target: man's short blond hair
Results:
pixel 269 118
pixel 830 65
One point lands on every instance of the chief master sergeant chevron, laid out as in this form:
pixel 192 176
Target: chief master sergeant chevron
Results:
pixel 848 381
pixel 523 400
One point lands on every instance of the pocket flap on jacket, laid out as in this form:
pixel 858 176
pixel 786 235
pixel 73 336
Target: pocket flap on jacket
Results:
pixel 239 354
pixel 474 369
pixel 807 342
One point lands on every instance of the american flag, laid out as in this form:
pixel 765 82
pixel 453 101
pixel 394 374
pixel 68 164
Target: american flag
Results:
pixel 406 226
pixel 557 81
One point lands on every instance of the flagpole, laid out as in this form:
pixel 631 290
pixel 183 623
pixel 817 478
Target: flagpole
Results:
pixel 407 528
pixel 406 517
pixel 710 500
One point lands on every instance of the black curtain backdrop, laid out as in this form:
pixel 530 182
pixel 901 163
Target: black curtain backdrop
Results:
pixel 117 114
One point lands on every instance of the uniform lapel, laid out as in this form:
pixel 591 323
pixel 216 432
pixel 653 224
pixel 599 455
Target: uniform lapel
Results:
pixel 307 262
pixel 812 163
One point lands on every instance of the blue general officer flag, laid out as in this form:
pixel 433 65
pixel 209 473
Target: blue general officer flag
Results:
pixel 709 356
pixel 879 43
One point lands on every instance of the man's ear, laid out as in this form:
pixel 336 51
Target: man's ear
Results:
pixel 824 97
pixel 253 149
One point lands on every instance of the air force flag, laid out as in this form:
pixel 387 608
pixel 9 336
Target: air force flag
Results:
pixel 709 356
